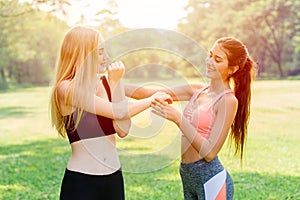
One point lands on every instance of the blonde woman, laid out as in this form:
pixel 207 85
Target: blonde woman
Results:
pixel 89 110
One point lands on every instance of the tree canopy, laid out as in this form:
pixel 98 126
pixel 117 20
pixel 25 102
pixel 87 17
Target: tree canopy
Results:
pixel 30 34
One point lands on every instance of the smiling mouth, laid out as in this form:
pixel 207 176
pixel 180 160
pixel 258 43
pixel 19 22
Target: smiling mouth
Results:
pixel 209 68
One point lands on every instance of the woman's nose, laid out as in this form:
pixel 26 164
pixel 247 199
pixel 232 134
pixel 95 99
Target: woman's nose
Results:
pixel 106 57
pixel 208 61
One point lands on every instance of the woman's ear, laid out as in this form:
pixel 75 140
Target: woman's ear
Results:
pixel 233 69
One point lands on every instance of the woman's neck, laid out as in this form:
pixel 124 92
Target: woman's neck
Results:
pixel 218 86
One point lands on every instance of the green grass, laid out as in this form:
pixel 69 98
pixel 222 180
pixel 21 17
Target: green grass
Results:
pixel 33 157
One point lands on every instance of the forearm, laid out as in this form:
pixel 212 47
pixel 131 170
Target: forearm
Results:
pixel 117 91
pixel 122 126
pixel 178 93
pixel 138 92
pixel 200 143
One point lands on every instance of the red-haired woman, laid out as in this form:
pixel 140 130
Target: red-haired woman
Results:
pixel 213 111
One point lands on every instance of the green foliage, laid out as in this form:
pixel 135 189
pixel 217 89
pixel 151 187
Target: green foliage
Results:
pixel 29 44
pixel 270 29
pixel 30 37
pixel 33 157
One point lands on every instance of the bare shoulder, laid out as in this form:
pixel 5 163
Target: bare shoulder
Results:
pixel 62 87
pixel 228 101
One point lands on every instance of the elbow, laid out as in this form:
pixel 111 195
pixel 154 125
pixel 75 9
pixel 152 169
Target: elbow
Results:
pixel 210 156
pixel 122 127
pixel 122 134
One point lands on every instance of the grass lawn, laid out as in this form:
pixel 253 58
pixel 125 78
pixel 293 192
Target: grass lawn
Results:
pixel 33 157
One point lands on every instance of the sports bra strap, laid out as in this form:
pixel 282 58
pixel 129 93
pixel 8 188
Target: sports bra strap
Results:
pixel 221 95
pixel 195 96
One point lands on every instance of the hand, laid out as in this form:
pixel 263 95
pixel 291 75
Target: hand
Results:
pixel 116 71
pixel 164 97
pixel 165 110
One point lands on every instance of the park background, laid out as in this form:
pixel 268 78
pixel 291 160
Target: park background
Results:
pixel 33 157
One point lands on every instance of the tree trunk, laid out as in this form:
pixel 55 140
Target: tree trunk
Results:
pixel 280 69
pixel 3 82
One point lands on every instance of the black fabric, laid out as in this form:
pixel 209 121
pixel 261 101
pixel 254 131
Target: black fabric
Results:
pixel 80 186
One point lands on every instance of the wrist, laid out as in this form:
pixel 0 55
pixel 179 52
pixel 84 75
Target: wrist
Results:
pixel 178 120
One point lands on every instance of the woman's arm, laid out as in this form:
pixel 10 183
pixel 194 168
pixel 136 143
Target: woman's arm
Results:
pixel 208 148
pixel 115 110
pixel 178 93
pixel 121 126
pixel 120 109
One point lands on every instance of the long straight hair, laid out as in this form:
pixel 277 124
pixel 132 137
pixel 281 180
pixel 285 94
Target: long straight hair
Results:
pixel 77 62
pixel 237 55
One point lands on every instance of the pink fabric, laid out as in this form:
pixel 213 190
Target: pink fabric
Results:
pixel 202 117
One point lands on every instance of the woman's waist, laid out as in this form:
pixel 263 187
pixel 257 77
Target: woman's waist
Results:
pixel 191 159
pixel 94 164
pixel 189 155
pixel 94 156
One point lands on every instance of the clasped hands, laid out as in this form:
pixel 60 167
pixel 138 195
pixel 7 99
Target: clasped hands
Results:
pixel 161 105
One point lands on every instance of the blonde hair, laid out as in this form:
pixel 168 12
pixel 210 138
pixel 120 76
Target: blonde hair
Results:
pixel 77 62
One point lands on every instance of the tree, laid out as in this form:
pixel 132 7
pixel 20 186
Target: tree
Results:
pixel 29 43
pixel 277 24
pixel 270 28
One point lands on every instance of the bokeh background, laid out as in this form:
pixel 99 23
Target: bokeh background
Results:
pixel 174 37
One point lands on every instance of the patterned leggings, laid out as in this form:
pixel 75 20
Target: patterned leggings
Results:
pixel 206 180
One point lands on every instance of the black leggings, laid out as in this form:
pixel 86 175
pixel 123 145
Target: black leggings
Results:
pixel 80 186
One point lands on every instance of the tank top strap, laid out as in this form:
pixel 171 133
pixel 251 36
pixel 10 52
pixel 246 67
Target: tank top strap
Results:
pixel 106 86
pixel 221 95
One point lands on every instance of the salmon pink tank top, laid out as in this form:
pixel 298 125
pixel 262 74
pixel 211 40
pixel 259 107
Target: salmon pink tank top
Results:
pixel 202 117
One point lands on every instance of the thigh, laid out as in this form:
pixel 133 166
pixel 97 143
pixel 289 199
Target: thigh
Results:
pixel 77 186
pixel 114 187
pixel 191 182
pixel 229 187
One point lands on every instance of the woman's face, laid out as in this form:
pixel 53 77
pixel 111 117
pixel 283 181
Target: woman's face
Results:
pixel 217 63
pixel 103 57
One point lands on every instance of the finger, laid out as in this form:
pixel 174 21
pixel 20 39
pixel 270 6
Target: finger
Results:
pixel 158 100
pixel 169 100
pixel 121 64
pixel 112 67
pixel 157 105
pixel 158 113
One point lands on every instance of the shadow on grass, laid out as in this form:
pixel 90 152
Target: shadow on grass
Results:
pixel 14 111
pixel 33 170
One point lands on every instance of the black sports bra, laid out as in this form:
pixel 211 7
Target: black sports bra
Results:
pixel 90 125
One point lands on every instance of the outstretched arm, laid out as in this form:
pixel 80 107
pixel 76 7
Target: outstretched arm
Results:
pixel 121 110
pixel 178 93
